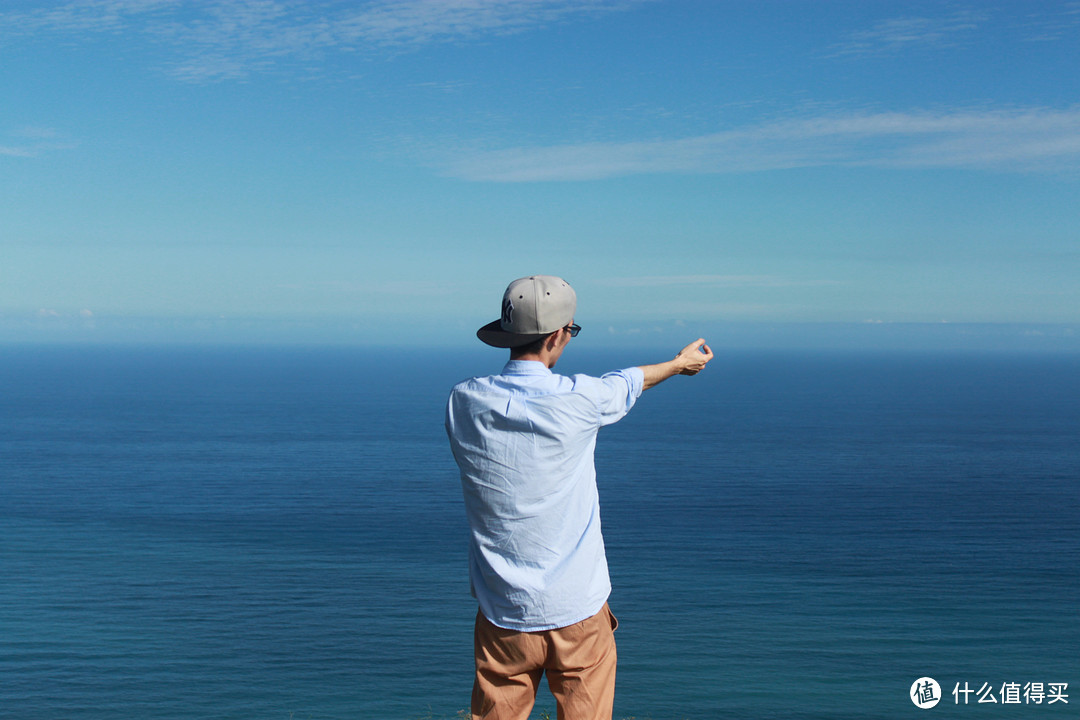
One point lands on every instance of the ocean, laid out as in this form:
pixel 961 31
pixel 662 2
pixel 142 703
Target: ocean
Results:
pixel 277 533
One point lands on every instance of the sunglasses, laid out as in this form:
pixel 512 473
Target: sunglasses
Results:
pixel 573 329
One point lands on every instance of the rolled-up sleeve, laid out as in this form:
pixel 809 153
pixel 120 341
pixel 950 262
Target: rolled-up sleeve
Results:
pixel 613 393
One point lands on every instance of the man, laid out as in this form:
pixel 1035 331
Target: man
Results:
pixel 524 442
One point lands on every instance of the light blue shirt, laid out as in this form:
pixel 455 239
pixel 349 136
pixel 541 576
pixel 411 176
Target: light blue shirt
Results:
pixel 524 442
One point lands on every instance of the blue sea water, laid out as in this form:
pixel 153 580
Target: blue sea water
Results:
pixel 277 533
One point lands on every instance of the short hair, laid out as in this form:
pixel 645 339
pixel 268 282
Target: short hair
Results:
pixel 531 348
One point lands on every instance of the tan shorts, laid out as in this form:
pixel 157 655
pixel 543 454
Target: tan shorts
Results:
pixel 579 661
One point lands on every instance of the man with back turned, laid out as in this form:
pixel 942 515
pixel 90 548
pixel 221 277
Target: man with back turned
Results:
pixel 524 441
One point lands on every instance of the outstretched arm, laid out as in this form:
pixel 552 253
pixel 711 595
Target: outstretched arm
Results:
pixel 690 360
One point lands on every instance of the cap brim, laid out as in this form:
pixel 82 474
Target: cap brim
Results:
pixel 495 336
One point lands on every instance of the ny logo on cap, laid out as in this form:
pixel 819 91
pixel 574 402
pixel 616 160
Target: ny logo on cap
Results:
pixel 507 313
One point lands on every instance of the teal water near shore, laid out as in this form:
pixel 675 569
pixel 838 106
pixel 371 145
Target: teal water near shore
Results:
pixel 276 533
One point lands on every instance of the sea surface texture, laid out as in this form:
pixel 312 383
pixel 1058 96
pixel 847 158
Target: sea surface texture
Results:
pixel 278 533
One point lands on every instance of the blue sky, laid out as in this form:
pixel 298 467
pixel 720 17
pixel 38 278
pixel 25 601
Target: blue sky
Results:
pixel 376 172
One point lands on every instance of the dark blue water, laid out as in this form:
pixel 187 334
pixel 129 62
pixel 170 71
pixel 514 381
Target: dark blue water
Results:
pixel 276 533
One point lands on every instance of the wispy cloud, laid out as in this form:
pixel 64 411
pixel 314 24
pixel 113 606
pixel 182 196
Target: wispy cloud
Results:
pixel 229 39
pixel 903 33
pixel 14 151
pixel 736 281
pixel 1003 140
pixel 30 142
pixel 413 21
pixel 389 288
pixel 87 16
pixel 1053 25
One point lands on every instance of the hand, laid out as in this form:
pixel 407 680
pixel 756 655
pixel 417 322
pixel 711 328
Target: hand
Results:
pixel 693 357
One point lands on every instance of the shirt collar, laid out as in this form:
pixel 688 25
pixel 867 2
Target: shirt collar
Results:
pixel 526 367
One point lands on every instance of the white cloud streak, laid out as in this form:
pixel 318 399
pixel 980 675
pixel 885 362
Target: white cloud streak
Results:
pixel 9 151
pixel 1053 26
pixel 413 21
pixel 33 142
pixel 734 281
pixel 226 40
pixel 903 33
pixel 81 16
pixel 1022 140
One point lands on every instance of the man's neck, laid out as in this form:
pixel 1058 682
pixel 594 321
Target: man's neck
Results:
pixel 533 357
pixel 550 351
pixel 548 359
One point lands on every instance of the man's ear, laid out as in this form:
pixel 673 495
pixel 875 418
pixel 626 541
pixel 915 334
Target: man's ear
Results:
pixel 552 341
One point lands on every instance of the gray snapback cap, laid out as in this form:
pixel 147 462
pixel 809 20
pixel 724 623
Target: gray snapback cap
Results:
pixel 532 307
